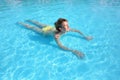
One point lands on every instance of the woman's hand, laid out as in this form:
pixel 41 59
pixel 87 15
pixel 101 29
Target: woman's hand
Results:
pixel 89 37
pixel 78 54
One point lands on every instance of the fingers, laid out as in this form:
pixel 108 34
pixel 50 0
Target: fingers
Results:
pixel 78 54
pixel 89 37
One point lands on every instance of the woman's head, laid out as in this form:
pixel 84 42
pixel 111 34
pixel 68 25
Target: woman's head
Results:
pixel 61 24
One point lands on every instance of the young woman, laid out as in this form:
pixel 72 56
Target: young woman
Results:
pixel 61 27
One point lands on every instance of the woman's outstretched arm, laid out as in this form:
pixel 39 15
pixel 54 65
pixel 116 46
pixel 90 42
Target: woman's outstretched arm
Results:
pixel 76 52
pixel 86 37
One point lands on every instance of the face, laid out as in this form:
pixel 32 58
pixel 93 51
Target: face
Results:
pixel 65 25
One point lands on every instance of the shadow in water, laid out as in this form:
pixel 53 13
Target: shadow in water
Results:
pixel 39 37
pixel 77 36
pixel 46 40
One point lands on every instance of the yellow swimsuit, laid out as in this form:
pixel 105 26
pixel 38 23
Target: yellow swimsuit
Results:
pixel 48 29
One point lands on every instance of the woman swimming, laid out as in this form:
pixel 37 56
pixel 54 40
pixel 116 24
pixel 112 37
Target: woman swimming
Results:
pixel 61 27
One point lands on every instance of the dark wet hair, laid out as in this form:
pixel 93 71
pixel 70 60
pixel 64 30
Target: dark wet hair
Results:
pixel 58 24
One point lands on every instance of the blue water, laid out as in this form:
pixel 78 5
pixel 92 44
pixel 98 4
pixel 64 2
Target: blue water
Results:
pixel 26 55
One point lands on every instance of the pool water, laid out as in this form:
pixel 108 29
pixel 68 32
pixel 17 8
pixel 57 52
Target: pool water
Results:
pixel 26 55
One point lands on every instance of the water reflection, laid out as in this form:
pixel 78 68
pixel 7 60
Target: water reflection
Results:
pixel 12 2
pixel 109 2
